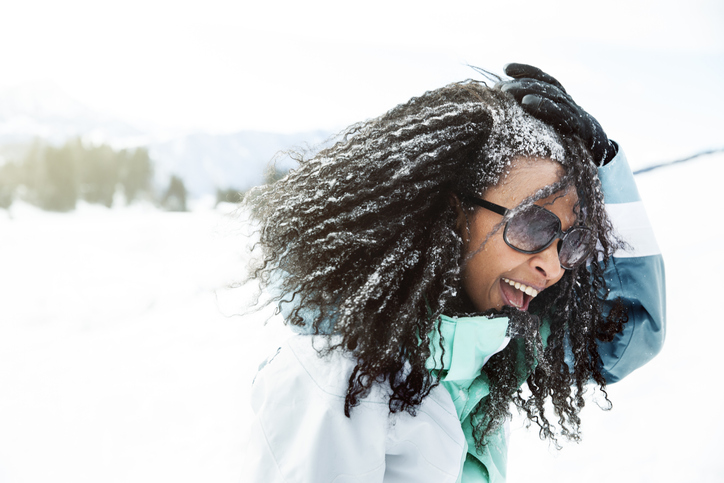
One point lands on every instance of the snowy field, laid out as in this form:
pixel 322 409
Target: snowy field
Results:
pixel 121 359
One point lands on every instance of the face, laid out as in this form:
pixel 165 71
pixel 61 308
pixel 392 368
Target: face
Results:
pixel 495 274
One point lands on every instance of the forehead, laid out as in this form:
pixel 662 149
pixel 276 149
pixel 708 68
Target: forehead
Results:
pixel 526 177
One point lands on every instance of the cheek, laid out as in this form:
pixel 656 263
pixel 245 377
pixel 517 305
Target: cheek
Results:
pixel 558 278
pixel 481 275
pixel 497 257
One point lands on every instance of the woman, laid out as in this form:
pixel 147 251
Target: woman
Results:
pixel 435 259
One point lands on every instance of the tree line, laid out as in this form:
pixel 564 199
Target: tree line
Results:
pixel 234 195
pixel 56 178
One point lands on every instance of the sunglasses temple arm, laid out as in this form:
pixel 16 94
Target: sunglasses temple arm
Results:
pixel 488 205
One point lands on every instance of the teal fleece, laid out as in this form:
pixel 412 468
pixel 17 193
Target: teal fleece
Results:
pixel 468 343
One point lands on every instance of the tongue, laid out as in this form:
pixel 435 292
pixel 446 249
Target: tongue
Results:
pixel 514 295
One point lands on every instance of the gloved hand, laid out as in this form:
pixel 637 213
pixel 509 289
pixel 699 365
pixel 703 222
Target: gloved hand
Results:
pixel 544 98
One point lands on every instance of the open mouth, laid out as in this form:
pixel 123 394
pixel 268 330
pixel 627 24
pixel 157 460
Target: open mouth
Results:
pixel 517 294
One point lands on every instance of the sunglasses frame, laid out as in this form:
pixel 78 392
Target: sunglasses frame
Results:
pixel 503 211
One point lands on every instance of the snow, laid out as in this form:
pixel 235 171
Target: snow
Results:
pixel 121 359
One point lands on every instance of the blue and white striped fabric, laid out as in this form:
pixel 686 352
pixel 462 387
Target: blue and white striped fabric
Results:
pixel 636 274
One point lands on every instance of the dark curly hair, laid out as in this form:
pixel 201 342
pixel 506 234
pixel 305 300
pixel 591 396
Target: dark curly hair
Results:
pixel 362 235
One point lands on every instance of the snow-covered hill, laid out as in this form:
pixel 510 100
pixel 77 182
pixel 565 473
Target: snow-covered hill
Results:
pixel 206 162
pixel 43 110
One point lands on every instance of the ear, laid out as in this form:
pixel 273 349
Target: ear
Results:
pixel 461 219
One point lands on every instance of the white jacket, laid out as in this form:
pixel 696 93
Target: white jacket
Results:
pixel 300 433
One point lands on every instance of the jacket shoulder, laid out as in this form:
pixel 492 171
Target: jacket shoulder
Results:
pixel 301 432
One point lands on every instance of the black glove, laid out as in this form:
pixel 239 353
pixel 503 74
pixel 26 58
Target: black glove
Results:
pixel 544 98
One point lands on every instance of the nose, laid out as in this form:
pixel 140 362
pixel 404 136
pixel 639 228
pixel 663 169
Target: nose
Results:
pixel 547 262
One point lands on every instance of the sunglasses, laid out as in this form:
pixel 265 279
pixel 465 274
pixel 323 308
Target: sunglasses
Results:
pixel 533 229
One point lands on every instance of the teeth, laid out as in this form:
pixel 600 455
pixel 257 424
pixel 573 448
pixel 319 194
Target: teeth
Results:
pixel 522 287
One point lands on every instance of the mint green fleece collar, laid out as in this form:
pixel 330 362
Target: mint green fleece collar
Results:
pixel 468 343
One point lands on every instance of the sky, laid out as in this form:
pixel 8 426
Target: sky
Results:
pixel 650 71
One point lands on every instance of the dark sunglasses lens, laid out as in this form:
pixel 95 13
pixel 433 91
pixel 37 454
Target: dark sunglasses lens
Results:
pixel 532 229
pixel 576 247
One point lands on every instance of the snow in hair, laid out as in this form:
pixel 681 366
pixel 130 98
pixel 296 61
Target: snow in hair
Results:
pixel 515 133
pixel 362 236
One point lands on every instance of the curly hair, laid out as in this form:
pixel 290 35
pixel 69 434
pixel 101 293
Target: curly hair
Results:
pixel 362 235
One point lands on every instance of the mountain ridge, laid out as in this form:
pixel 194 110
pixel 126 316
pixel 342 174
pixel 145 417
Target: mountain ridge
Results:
pixel 204 161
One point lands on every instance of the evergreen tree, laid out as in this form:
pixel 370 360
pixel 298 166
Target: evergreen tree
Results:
pixel 136 172
pixel 228 195
pixel 175 197
pixel 9 180
pixel 59 179
pixel 98 170
pixel 32 173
